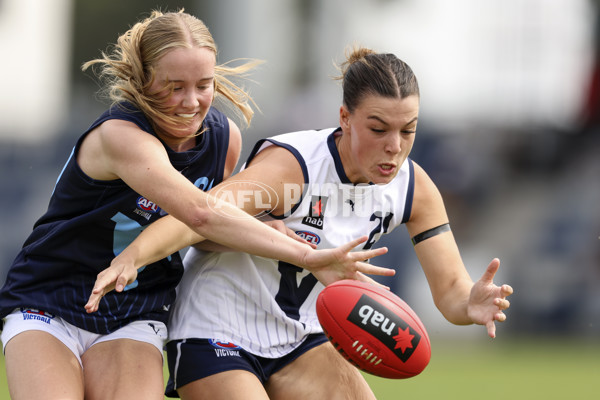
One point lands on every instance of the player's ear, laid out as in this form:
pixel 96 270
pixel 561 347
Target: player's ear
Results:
pixel 344 118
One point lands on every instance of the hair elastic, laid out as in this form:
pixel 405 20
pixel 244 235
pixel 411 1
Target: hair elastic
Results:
pixel 430 233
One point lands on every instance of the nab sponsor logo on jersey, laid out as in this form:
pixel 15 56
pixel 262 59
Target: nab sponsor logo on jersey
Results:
pixel 316 212
pixel 225 349
pixel 386 326
pixel 38 315
pixel 310 237
pixel 146 205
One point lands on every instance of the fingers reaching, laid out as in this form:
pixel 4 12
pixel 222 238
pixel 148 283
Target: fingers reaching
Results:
pixel 366 268
pixel 500 317
pixel 490 272
pixel 364 278
pixel 502 303
pixel 94 302
pixel 505 291
pixel 115 277
pixel 368 254
pixel 491 329
pixel 353 243
pixel 488 301
pixel 122 281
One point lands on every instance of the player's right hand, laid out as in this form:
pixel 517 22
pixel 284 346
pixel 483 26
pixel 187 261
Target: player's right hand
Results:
pixel 331 265
pixel 120 274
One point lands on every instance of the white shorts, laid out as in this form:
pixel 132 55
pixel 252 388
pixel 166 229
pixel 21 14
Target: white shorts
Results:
pixel 76 339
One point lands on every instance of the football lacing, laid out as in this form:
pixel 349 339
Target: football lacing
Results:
pixel 375 360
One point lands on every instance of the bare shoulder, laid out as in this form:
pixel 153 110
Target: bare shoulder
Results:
pixel 114 145
pixel 116 132
pixel 274 153
pixel 425 188
pixel 116 136
pixel 278 169
pixel 280 161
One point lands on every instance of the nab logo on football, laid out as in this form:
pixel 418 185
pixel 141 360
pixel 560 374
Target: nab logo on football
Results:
pixel 310 237
pixel 390 329
pixel 147 205
pixel 316 212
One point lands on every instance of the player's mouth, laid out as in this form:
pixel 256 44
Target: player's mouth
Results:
pixel 190 116
pixel 386 169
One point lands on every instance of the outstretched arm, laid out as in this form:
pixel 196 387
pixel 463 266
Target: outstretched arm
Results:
pixel 120 150
pixel 458 298
pixel 270 169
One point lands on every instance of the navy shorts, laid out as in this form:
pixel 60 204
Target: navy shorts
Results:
pixel 193 359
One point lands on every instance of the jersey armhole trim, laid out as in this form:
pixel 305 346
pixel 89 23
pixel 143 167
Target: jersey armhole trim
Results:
pixel 410 191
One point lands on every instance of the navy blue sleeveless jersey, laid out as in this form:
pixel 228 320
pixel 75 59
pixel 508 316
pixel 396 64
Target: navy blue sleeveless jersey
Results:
pixel 88 222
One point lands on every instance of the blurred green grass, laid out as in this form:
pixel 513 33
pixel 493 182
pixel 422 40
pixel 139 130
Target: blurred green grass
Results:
pixel 548 369
pixel 559 368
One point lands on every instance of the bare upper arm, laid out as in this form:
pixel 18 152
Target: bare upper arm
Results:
pixel 274 175
pixel 115 146
pixel 428 210
pixel 119 149
pixel 439 255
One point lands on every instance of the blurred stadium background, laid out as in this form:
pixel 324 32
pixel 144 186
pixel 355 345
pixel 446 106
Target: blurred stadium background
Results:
pixel 509 126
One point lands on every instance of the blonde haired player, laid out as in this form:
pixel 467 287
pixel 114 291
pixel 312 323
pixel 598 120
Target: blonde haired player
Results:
pixel 146 156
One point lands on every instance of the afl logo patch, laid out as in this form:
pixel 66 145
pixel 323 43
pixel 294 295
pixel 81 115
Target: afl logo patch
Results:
pixel 310 237
pixel 146 205
pixel 223 345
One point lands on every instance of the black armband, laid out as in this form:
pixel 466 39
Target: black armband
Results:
pixel 430 233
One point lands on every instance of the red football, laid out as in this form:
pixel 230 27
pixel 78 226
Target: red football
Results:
pixel 374 329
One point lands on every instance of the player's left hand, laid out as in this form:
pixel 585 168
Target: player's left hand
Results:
pixel 488 301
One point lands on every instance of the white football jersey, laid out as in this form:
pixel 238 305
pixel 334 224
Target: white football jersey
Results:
pixel 267 306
